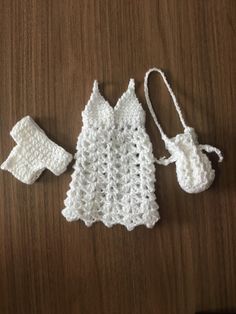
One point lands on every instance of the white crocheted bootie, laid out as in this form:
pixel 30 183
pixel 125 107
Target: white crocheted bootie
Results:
pixel 194 170
pixel 34 153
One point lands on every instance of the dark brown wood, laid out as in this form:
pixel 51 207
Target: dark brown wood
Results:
pixel 50 53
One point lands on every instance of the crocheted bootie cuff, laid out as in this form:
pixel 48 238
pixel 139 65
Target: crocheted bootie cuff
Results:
pixel 24 130
pixel 19 165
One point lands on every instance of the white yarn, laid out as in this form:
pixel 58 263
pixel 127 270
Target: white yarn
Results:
pixel 193 168
pixel 114 172
pixel 34 153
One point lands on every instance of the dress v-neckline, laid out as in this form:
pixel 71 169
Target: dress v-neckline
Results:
pixel 96 90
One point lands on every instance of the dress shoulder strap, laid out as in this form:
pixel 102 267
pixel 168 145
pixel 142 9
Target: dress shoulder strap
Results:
pixel 146 91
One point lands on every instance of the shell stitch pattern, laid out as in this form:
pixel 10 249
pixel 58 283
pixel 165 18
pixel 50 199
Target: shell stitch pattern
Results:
pixel 114 173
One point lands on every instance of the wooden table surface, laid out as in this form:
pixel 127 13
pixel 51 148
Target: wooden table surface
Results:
pixel 50 53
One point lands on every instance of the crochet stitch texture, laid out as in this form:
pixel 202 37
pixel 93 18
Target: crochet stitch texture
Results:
pixel 34 153
pixel 193 168
pixel 114 173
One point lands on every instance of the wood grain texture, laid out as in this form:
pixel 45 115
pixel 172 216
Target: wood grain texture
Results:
pixel 50 53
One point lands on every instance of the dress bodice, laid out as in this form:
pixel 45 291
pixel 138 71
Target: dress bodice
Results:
pixel 127 111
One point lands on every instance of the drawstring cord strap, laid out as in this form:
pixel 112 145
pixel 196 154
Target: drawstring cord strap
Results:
pixel 146 91
pixel 211 149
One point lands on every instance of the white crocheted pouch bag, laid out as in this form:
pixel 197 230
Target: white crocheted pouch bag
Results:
pixel 194 169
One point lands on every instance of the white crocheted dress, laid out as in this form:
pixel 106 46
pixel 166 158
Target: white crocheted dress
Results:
pixel 114 173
